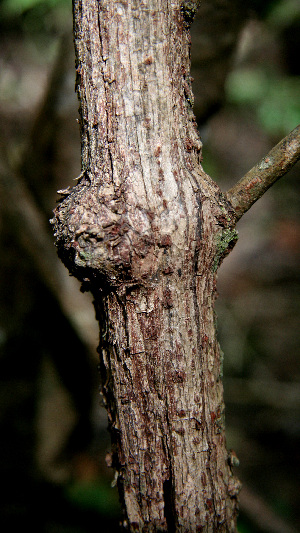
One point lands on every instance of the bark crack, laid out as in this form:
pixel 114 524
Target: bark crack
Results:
pixel 108 100
pixel 169 510
pixel 169 504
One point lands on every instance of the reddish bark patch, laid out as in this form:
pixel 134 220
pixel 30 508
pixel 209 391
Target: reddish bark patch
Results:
pixel 209 505
pixel 213 416
pixel 149 60
pixel 157 151
pixel 166 241
pixel 168 270
pixel 252 183
pixel 167 299
pixel 180 377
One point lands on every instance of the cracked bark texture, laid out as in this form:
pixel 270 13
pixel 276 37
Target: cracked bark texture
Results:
pixel 145 230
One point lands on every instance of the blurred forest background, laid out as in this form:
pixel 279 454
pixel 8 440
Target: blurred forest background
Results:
pixel 54 441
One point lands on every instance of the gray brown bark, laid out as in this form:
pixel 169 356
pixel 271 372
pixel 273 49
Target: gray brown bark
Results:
pixel 145 230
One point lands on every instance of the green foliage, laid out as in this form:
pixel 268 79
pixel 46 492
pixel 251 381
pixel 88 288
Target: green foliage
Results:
pixel 283 13
pixel 17 7
pixel 38 22
pixel 242 528
pixel 261 8
pixel 263 89
pixel 94 496
pixel 274 99
pixel 280 110
pixel 36 19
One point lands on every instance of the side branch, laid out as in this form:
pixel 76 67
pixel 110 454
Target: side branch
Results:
pixel 260 178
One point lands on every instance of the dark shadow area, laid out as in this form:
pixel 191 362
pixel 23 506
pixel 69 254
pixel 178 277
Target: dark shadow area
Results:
pixel 54 437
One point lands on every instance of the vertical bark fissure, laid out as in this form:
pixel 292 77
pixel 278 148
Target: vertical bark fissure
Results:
pixel 205 397
pixel 108 100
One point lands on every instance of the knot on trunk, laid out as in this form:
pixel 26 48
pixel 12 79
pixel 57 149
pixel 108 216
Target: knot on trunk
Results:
pixel 97 236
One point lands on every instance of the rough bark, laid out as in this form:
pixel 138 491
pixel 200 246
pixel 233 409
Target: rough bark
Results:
pixel 145 230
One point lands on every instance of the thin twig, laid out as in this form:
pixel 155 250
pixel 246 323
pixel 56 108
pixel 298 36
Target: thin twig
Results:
pixel 260 178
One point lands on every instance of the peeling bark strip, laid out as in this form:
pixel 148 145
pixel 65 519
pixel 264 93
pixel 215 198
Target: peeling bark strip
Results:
pixel 145 230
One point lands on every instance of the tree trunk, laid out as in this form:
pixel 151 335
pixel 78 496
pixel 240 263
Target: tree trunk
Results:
pixel 145 230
